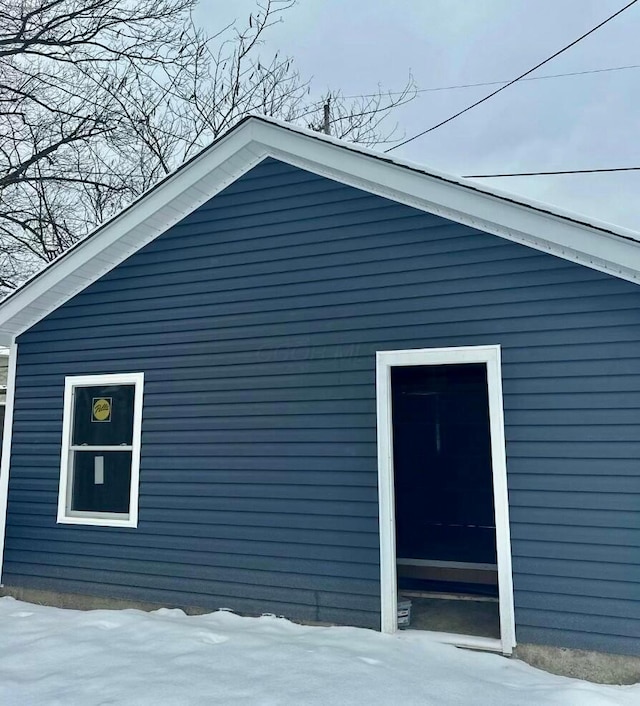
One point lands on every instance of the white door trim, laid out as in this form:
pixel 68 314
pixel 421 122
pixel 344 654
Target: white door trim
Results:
pixel 490 356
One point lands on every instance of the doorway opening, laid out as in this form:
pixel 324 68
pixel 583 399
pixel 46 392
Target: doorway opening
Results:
pixel 443 501
pixel 446 560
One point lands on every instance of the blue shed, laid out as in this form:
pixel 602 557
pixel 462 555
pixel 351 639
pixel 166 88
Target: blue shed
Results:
pixel 303 378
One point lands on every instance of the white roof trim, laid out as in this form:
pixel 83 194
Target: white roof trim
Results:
pixel 600 246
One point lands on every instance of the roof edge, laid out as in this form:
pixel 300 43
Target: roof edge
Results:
pixel 597 245
pixel 542 206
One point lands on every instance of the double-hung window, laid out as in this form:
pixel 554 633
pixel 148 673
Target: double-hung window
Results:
pixel 100 461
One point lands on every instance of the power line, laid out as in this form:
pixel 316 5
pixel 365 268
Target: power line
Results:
pixel 433 89
pixel 493 83
pixel 317 104
pixel 526 73
pixel 561 171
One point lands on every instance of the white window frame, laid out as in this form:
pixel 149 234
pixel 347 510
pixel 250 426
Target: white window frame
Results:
pixel 102 519
pixel 490 356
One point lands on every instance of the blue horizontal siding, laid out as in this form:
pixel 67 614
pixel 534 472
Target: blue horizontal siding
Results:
pixel 256 321
pixel 39 513
pixel 309 543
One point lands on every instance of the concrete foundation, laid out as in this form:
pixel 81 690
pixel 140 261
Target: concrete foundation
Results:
pixel 598 667
pixel 77 601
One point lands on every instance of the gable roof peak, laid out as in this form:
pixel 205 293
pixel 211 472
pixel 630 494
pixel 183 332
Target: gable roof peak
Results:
pixel 597 245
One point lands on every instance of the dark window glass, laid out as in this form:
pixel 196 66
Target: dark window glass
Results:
pixel 101 481
pixel 103 415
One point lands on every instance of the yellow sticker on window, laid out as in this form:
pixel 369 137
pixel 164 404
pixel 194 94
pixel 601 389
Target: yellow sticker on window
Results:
pixel 101 409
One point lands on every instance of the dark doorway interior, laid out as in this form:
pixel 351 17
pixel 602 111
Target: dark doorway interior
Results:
pixel 445 520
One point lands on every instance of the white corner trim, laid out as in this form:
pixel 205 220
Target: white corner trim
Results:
pixel 64 490
pixel 490 356
pixel 5 465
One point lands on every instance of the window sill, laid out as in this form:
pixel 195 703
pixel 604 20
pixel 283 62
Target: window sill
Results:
pixel 98 520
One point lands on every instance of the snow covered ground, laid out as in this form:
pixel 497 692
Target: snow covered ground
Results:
pixel 51 657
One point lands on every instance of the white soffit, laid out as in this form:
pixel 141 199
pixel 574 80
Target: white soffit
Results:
pixel 600 246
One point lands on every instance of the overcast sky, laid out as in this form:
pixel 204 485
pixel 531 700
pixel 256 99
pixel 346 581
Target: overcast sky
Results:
pixel 577 122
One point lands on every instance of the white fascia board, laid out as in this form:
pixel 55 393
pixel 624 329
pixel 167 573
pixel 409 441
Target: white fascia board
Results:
pixel 164 206
pixel 616 253
pixel 466 183
pixel 598 246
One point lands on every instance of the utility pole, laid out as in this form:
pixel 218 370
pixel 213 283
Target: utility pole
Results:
pixel 327 117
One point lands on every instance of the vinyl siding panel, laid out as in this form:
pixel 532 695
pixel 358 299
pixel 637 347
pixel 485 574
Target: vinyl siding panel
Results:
pixel 256 321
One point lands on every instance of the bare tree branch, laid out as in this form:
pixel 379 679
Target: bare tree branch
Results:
pixel 99 99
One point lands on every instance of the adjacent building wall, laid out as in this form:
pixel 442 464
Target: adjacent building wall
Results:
pixel 256 321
